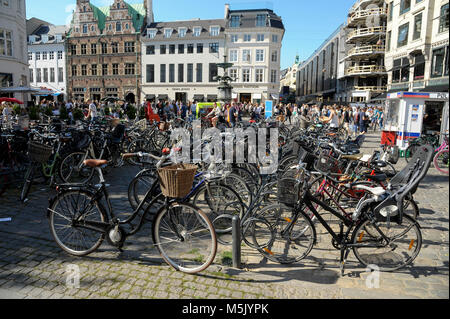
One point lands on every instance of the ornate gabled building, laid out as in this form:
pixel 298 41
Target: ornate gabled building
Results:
pixel 103 51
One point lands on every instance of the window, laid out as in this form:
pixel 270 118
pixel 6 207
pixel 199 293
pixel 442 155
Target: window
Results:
pixel 246 56
pixel 44 55
pixel 190 73
pixel 52 75
pixel 46 74
pixel 162 49
pixel 180 73
pixel 85 28
pixel 129 47
pixel 118 26
pixel 234 38
pixel 247 37
pixel 127 26
pixel 83 70
pixel 246 75
pixel 275 56
pixel 213 72
pixel 197 31
pixel 400 71
pixel 60 75
pixel 390 10
pixel 151 34
pixel 273 76
pixel 104 48
pixel 214 31
pixel 162 73
pixel 115 47
pixel 167 33
pixel 234 74
pixel 30 56
pixel 214 48
pixel 190 48
pixel 199 72
pixel 92 28
pixel 260 37
pixel 31 76
pixel 94 69
pixel 403 35
pixel 199 47
pixel 150 74
pixel 405 6
pixel 38 55
pixel 234 55
pixel 417 26
pixel 274 38
pixel 419 67
pixel 60 55
pixel 259 55
pixel 388 41
pixel 150 50
pixel 182 32
pixel 129 68
pixel 172 73
pixel 83 49
pixel 261 20
pixel 51 55
pixel 104 69
pixel 438 63
pixel 172 49
pixel 235 21
pixel 93 48
pixel 73 49
pixel 115 69
pixel 39 73
pixel 443 19
pixel 259 75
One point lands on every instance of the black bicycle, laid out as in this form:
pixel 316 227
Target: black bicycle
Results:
pixel 79 223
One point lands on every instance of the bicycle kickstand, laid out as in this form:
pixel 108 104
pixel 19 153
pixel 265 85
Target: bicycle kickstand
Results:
pixel 344 255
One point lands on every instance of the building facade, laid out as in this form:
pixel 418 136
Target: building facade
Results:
pixel 417 53
pixel 288 78
pixel 104 51
pixel 365 75
pixel 47 57
pixel 317 76
pixel 253 44
pixel 13 50
pixel 179 60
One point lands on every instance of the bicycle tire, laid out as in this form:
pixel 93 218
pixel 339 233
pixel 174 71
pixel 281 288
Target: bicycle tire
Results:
pixel 190 260
pixel 443 169
pixel 55 212
pixel 395 259
pixel 28 181
pixel 73 160
pixel 410 151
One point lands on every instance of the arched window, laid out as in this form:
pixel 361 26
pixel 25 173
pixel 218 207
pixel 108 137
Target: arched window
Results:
pixel 118 26
pixel 118 5
pixel 126 26
pixel 84 9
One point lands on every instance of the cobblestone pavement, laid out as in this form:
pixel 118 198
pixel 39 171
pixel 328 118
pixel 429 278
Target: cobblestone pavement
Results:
pixel 32 266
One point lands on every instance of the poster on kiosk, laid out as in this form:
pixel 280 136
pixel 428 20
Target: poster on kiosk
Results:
pixel 408 115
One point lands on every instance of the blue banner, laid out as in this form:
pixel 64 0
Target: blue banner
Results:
pixel 269 109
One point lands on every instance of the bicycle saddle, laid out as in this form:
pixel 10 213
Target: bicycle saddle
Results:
pixel 377 191
pixel 93 163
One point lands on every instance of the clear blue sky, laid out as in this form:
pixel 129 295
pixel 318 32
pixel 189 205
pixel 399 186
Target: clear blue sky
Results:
pixel 308 23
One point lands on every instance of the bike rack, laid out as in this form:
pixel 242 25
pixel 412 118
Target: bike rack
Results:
pixel 236 244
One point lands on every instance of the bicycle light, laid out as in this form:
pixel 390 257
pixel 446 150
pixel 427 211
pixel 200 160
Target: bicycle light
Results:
pixel 391 210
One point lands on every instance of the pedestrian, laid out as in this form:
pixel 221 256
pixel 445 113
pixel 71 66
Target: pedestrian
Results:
pixel 288 113
pixel 92 112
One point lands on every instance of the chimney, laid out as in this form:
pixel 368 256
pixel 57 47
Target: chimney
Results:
pixel 227 9
pixel 149 8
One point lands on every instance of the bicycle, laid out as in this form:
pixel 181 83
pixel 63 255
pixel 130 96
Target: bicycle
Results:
pixel 441 159
pixel 79 223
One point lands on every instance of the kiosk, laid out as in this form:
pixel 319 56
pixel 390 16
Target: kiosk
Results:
pixel 410 114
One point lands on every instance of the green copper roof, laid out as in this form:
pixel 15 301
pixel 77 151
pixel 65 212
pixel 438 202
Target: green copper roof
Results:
pixel 100 14
pixel 137 13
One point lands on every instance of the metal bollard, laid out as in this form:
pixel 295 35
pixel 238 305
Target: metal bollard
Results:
pixel 236 250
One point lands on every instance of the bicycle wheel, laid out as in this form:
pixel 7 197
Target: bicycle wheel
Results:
pixel 28 181
pixel 185 237
pixel 409 153
pixel 139 187
pixel 72 171
pixel 64 211
pixel 291 238
pixel 139 145
pixel 236 182
pixel 405 242
pixel 441 161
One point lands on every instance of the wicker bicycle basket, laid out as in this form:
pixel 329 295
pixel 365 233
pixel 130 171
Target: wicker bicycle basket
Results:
pixel 288 191
pixel 39 153
pixel 176 180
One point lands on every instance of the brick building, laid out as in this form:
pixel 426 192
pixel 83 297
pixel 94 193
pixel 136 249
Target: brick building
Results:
pixel 104 51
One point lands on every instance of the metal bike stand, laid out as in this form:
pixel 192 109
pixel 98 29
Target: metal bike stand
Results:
pixel 236 245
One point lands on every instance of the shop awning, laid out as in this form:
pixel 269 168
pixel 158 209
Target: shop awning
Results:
pixel 199 97
pixel 150 97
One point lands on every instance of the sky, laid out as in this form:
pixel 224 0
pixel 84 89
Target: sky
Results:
pixel 308 23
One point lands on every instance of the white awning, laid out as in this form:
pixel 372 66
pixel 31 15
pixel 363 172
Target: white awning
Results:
pixel 234 95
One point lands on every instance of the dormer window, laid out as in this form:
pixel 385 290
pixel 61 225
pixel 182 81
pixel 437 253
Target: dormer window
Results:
pixel 235 22
pixel 167 33
pixel 214 31
pixel 182 32
pixel 118 5
pixel 261 20
pixel 85 28
pixel 151 33
pixel 197 31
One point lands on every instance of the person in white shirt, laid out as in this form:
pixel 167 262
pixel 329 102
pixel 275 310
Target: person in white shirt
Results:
pixel 7 111
pixel 92 111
